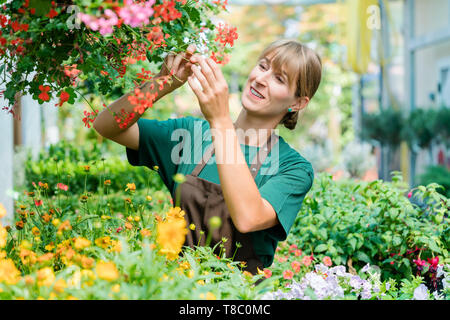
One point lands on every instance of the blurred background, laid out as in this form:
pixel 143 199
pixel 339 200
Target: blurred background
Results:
pixel 382 106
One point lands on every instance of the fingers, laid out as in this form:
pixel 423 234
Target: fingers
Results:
pixel 215 69
pixel 201 78
pixel 205 70
pixel 196 88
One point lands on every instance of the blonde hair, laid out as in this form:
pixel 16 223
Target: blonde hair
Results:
pixel 303 67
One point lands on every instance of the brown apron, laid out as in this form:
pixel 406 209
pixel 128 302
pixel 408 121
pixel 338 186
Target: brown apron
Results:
pixel 202 199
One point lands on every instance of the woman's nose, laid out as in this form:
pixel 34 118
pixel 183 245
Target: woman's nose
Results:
pixel 262 77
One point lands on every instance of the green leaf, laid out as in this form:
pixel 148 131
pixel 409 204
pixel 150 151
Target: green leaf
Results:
pixel 362 256
pixel 352 243
pixel 433 246
pixel 321 248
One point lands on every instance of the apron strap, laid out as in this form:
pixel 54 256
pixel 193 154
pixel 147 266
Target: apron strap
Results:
pixel 260 156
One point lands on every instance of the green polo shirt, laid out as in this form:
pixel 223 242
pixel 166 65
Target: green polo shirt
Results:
pixel 283 180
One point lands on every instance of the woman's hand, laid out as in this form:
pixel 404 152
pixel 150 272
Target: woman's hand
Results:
pixel 179 65
pixel 213 93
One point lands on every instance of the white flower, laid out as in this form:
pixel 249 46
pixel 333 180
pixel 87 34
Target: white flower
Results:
pixel 421 292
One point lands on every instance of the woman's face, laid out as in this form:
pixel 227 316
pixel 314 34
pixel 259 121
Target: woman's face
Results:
pixel 273 96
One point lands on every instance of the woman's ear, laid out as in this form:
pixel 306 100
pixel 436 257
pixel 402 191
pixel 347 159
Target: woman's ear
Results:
pixel 300 104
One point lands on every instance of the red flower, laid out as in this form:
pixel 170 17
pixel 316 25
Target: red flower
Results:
pixel 44 95
pixel 220 58
pixel 62 186
pixel 53 13
pixel 63 97
pixel 222 3
pixel 3 21
pixel 89 118
pixel 38 203
pixel 15 25
pixel 226 34
pixel 167 11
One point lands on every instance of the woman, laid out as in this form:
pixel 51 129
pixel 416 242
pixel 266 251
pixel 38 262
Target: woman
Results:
pixel 248 176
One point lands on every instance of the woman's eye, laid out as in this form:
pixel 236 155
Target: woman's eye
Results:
pixel 262 66
pixel 280 79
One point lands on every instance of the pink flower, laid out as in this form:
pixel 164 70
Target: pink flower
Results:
pixel 267 273
pixel 62 186
pixel 119 229
pixel 327 261
pixel 136 14
pixel 433 262
pixel 292 247
pixel 288 274
pixel 419 263
pixel 306 260
pixel 296 265
pixel 298 253
pixel 410 194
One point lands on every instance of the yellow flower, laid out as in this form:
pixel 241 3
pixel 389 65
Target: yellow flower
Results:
pixel 3 236
pixel 45 277
pixel 201 282
pixel 185 265
pixel 171 235
pixel 209 296
pixel 155 167
pixel 137 219
pixel 131 187
pixel 56 222
pixel 75 279
pixel 190 274
pixel 103 242
pixel 175 212
pixel 107 271
pixel 2 210
pixel 50 247
pixel 8 272
pixel 130 218
pixel 149 198
pixel 81 243
pixel 60 285
pixel 115 288
pixel 35 231
pixel 192 226
pixel 116 246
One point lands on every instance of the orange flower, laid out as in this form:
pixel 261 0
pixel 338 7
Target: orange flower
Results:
pixel 107 271
pixel 131 187
pixel 8 272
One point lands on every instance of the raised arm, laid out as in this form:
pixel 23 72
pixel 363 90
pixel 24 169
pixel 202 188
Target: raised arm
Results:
pixel 106 125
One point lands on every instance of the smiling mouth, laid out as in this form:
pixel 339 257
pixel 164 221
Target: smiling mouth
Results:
pixel 255 93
